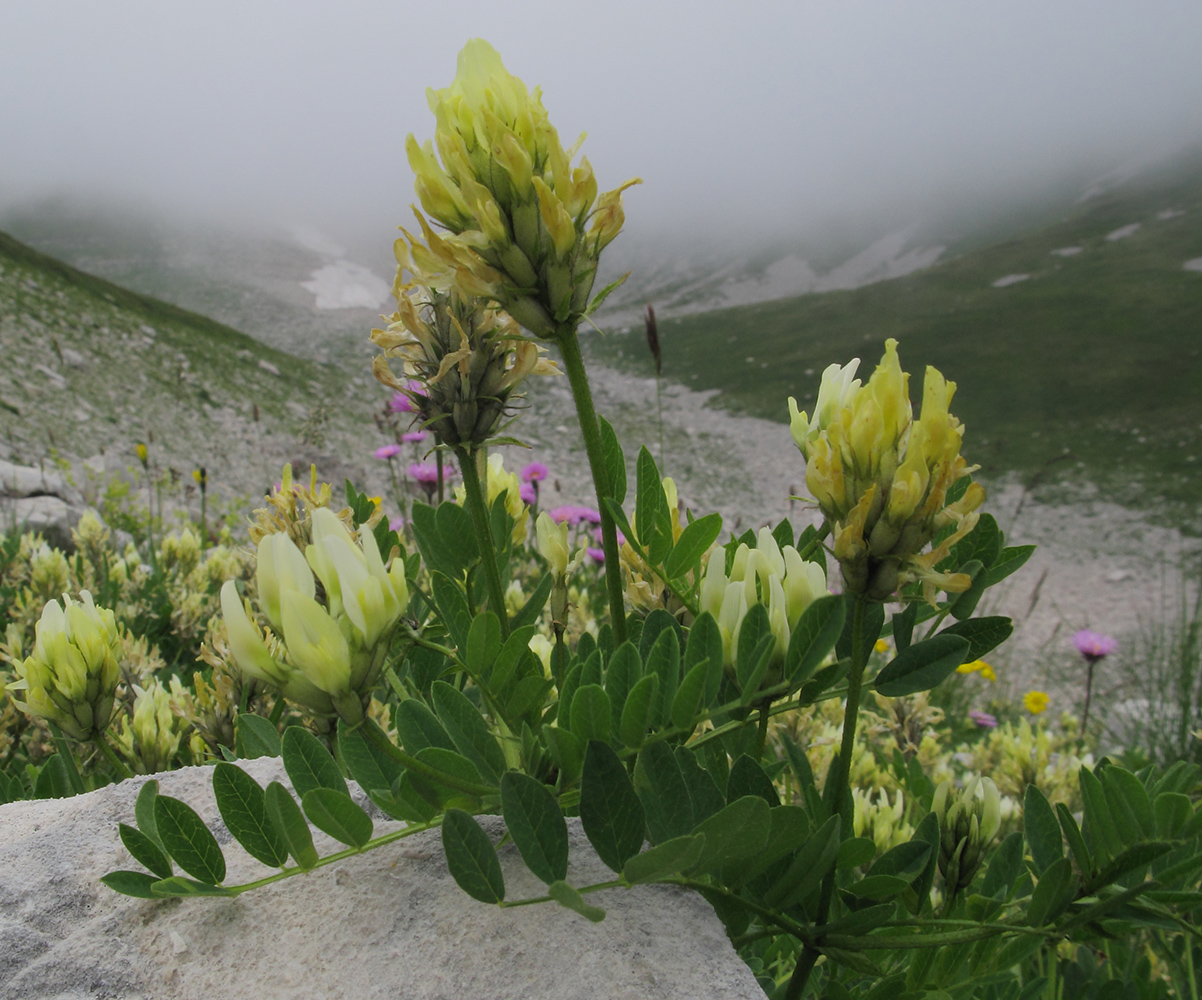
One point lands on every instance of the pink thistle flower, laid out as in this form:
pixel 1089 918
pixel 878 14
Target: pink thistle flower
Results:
pixel 1094 645
pixel 426 473
pixel 983 719
pixel 534 472
pixel 388 451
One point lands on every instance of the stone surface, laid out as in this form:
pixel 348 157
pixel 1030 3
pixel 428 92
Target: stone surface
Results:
pixel 52 516
pixel 390 923
pixel 29 481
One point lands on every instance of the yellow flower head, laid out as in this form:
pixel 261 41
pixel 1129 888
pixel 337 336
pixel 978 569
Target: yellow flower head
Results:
pixel 499 179
pixel 1036 702
pixel 881 646
pixel 881 477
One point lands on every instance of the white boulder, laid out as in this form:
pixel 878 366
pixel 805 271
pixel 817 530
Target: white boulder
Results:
pixel 389 923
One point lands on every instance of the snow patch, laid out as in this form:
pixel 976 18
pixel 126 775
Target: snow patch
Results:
pixel 1010 279
pixel 345 285
pixel 1067 251
pixel 788 276
pixel 1193 265
pixel 885 259
pixel 1169 213
pixel 1123 232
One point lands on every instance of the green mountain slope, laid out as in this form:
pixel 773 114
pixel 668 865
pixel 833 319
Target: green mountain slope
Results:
pixel 1089 367
pixel 91 367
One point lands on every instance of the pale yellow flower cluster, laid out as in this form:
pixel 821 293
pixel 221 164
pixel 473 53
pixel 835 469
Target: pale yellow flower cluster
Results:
pixel 881 477
pixel 72 674
pixel 527 226
pixel 326 658
pixel 777 578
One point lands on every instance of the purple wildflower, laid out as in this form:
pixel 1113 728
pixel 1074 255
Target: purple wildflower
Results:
pixel 388 451
pixel 427 473
pixel 400 403
pixel 596 555
pixel 412 437
pixel 528 494
pixel 983 719
pixel 534 472
pixel 397 523
pixel 1094 645
pixel 574 514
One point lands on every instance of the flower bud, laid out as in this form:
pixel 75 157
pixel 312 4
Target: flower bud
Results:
pixel 968 822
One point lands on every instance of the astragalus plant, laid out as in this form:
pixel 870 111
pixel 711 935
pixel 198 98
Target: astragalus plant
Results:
pixel 654 731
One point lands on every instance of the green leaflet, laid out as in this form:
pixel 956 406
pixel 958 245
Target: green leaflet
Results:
pixel 188 841
pixel 243 807
pixel 536 824
pixel 611 812
pixel 471 858
pixel 308 763
pixel 337 814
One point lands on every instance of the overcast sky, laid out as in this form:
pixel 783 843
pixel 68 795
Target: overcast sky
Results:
pixel 775 114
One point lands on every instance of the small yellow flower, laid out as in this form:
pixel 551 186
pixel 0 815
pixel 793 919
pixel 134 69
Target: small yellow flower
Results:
pixel 978 666
pixel 881 646
pixel 1036 702
pixel 143 454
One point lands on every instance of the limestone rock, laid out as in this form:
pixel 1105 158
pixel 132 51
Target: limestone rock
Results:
pixel 51 516
pixel 390 923
pixel 28 481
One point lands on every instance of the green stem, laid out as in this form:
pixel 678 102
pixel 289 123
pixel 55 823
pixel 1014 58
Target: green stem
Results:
pixel 114 761
pixel 383 743
pixel 350 852
pixel 842 767
pixel 616 883
pixel 488 554
pixel 586 416
pixel 68 759
pixel 762 734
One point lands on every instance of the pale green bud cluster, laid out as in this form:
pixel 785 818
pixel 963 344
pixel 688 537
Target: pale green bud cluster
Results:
pixel 326 658
pixel 151 739
pixel 879 819
pixel 180 551
pixel 468 360
pixel 769 575
pixel 71 676
pixel 968 822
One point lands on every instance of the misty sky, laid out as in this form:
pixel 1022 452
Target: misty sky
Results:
pixel 779 115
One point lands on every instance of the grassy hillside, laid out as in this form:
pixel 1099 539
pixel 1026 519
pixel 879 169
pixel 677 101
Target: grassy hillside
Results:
pixel 1090 367
pixel 91 367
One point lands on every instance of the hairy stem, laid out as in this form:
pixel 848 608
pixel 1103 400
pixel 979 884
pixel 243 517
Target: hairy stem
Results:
pixel 586 415
pixel 478 509
pixel 840 798
pixel 109 755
